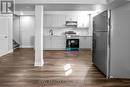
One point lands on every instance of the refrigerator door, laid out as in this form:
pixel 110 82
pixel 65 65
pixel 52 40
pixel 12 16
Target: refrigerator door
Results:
pixel 100 51
pixel 101 22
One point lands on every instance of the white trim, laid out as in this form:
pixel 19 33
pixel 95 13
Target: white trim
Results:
pixel 38 64
pixel 5 53
pixel 6 15
pixel 25 13
pixel 64 49
pixel 54 49
pixel 68 12
pixel 26 46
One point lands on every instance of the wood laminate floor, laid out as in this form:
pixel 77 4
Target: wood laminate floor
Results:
pixel 61 69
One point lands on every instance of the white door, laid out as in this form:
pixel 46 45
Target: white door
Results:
pixel 3 35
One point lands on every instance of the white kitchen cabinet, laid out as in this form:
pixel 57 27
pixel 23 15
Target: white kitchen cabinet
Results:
pixel 85 42
pixel 71 18
pixel 58 43
pixel 52 20
pixel 47 20
pixel 59 20
pixel 54 43
pixel 47 41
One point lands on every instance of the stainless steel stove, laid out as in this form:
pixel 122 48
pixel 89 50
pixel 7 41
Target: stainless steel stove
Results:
pixel 72 42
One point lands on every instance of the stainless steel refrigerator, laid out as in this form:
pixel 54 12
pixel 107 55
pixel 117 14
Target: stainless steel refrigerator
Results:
pixel 101 41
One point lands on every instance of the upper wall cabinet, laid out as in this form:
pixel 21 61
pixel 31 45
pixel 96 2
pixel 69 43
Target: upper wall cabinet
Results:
pixel 52 20
pixel 58 20
pixel 83 21
pixel 71 18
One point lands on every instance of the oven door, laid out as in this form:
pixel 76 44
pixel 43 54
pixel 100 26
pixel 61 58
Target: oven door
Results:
pixel 72 43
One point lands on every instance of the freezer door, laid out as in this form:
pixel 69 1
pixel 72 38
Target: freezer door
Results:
pixel 101 22
pixel 100 51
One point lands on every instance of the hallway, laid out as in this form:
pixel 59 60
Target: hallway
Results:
pixel 61 69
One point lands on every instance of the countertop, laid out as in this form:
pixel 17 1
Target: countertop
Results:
pixel 64 36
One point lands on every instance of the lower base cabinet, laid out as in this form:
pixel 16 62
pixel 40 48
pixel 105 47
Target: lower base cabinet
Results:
pixel 54 43
pixel 85 42
pixel 59 42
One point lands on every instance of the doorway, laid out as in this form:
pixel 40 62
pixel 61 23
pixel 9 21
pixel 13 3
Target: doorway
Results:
pixel 23 31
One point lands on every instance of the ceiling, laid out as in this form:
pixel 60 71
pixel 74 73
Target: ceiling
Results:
pixel 61 1
pixel 71 7
pixel 24 7
pixel 58 7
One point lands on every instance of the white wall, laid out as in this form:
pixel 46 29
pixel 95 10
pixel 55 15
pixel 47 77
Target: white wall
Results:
pixel 10 34
pixel 27 26
pixel 120 42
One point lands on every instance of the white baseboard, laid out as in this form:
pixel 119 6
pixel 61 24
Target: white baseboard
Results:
pixel 38 64
pixel 5 53
pixel 54 49
pixel 65 49
pixel 26 46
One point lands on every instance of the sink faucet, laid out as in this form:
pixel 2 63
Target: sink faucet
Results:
pixel 51 32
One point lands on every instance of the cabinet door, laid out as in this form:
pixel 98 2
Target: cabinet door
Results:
pixel 45 20
pixel 47 42
pixel 60 21
pixel 53 20
pixel 89 42
pixel 58 43
pixel 4 35
pixel 71 18
pixel 85 42
pixel 48 20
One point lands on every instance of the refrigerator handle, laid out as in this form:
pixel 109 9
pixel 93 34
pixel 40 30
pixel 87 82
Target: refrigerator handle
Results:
pixel 93 49
pixel 93 25
pixel 94 44
pixel 109 32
